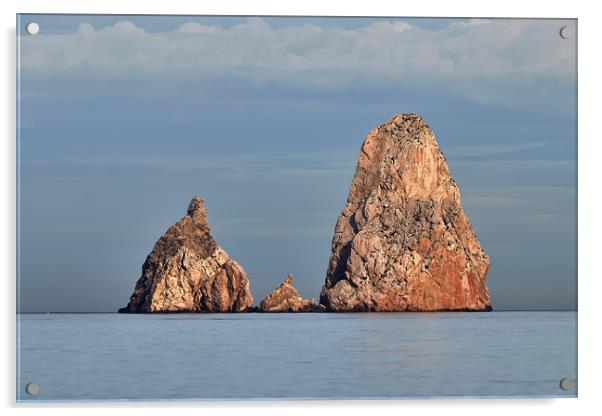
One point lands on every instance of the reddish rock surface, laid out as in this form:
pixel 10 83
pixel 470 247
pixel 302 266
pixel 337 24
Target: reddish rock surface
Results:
pixel 285 298
pixel 403 241
pixel 188 272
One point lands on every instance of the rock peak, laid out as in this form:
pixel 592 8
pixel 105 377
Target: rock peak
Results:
pixel 406 118
pixel 198 211
pixel 404 121
pixel 196 203
pixel 403 128
pixel 402 156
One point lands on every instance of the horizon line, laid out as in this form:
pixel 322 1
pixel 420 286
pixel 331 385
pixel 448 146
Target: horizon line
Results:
pixel 235 313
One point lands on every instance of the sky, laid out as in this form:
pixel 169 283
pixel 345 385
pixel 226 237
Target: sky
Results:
pixel 123 119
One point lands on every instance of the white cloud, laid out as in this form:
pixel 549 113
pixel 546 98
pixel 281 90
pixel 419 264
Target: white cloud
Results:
pixel 477 57
pixel 401 26
pixel 473 22
pixel 195 27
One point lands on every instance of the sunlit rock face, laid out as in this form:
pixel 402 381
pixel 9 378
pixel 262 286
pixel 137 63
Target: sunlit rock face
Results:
pixel 403 241
pixel 285 298
pixel 188 272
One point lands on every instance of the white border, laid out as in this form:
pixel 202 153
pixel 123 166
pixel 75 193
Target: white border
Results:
pixel 590 206
pixel 457 8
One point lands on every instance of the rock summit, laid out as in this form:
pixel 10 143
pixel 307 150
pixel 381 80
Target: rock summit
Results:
pixel 403 241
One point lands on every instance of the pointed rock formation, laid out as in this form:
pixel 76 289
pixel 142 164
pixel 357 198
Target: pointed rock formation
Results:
pixel 188 272
pixel 285 298
pixel 403 241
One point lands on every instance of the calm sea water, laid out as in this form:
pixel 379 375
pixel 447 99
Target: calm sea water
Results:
pixel 94 357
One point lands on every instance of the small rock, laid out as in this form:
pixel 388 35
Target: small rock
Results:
pixel 285 298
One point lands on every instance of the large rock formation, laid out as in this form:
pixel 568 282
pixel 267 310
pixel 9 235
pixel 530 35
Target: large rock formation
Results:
pixel 285 298
pixel 403 241
pixel 188 272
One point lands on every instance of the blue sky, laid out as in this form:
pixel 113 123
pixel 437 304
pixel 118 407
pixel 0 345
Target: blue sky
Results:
pixel 124 118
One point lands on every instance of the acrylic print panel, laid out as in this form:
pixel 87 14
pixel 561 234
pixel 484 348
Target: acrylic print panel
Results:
pixel 295 207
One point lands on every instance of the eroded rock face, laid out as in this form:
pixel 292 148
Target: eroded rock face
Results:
pixel 188 272
pixel 403 241
pixel 285 298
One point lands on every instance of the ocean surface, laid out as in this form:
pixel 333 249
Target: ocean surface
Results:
pixel 95 357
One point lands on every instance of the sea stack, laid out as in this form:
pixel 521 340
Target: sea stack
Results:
pixel 188 272
pixel 285 298
pixel 403 241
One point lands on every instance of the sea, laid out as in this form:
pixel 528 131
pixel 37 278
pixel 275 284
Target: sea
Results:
pixel 190 357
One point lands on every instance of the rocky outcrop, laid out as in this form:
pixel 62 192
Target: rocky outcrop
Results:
pixel 188 272
pixel 403 241
pixel 285 298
